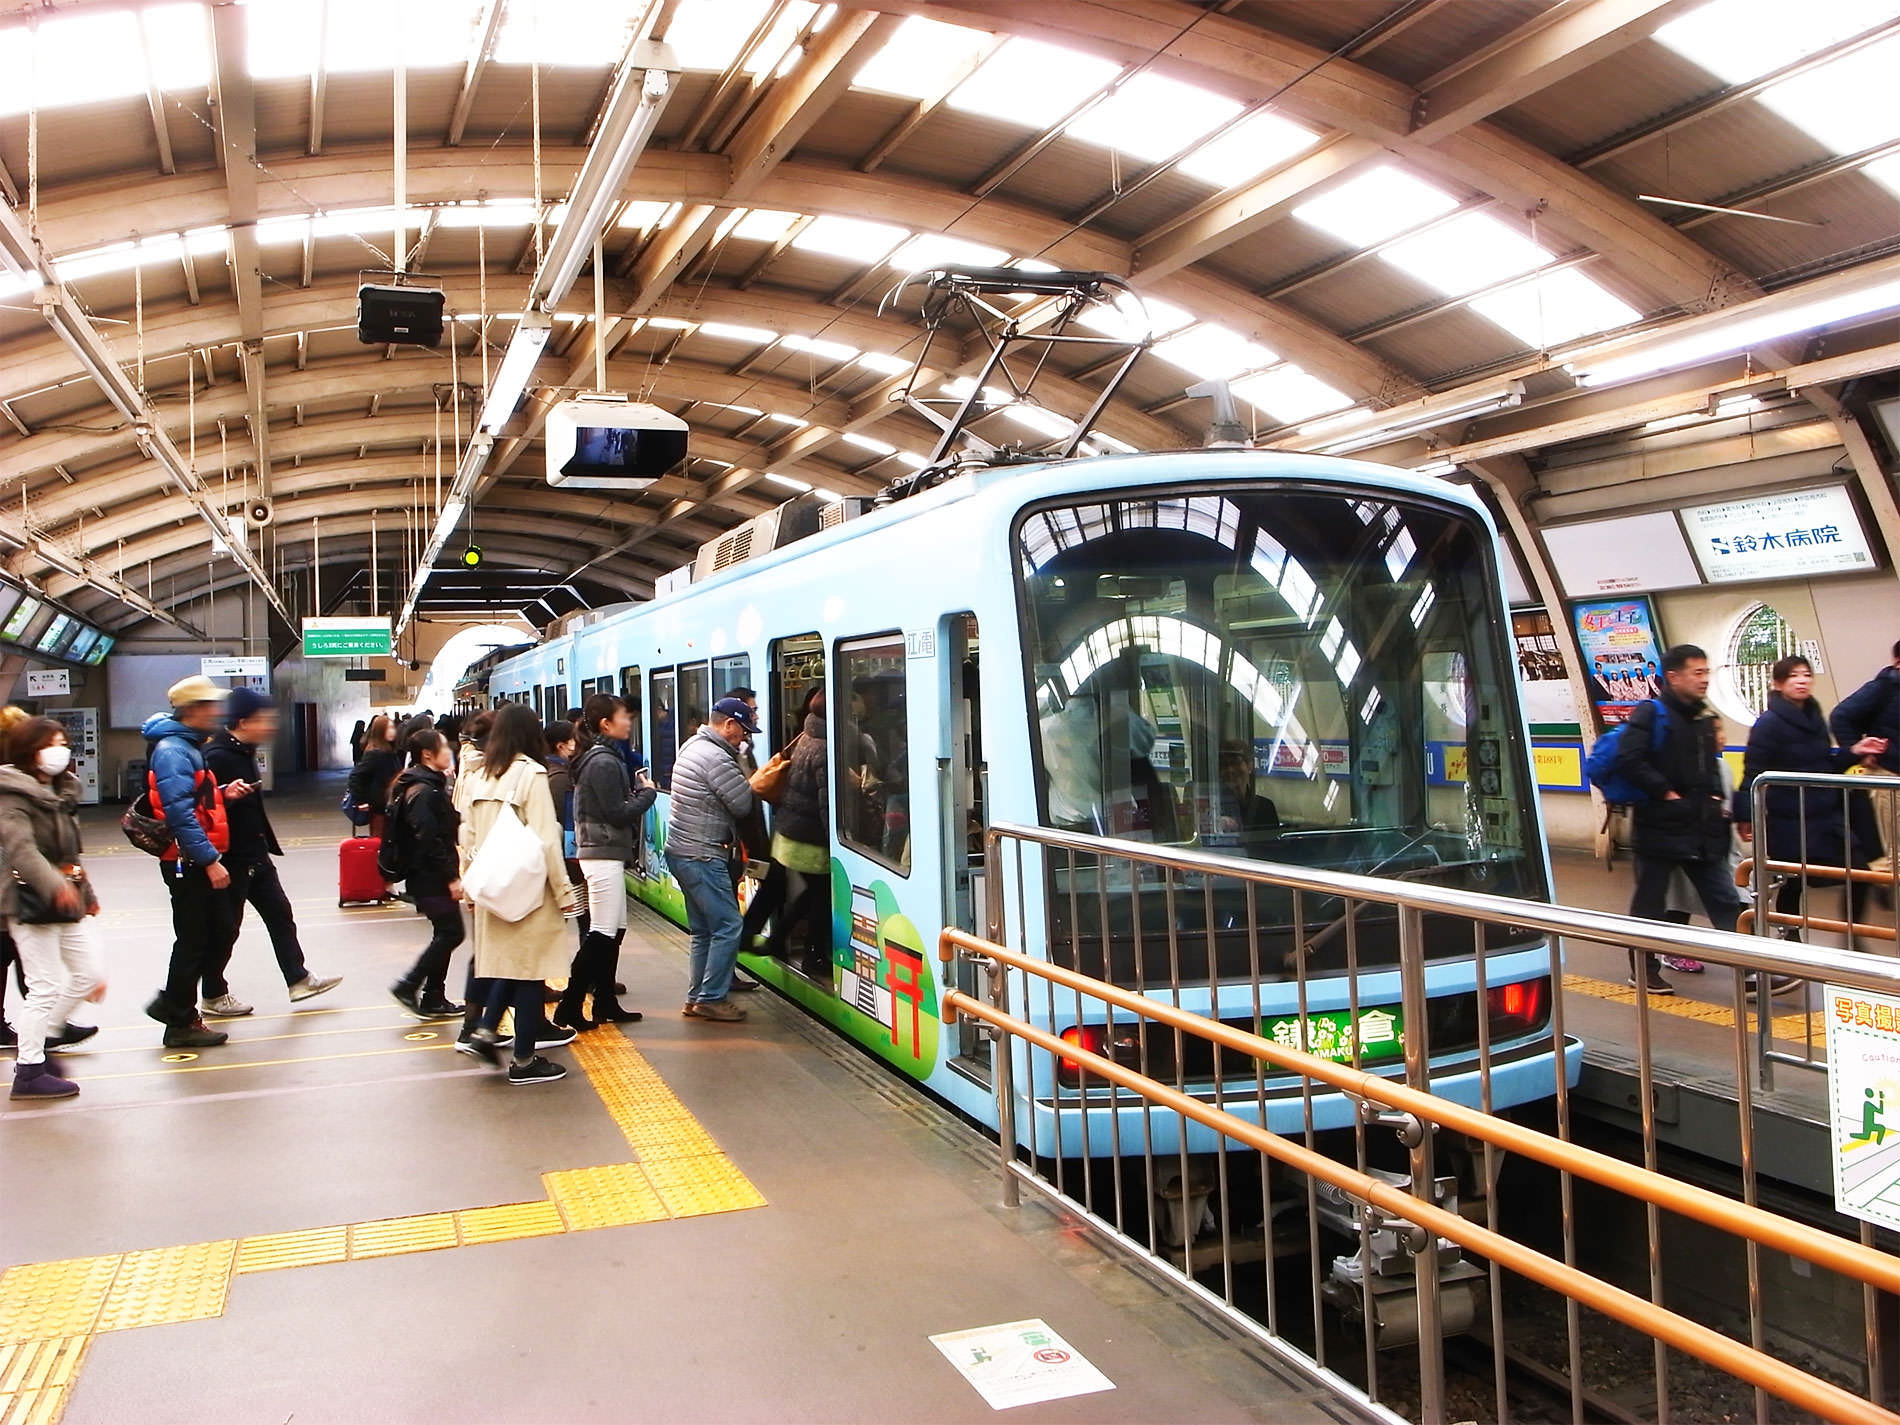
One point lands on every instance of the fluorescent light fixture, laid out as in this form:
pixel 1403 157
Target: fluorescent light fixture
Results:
pixel 1401 425
pixel 517 370
pixel 1738 333
pixel 1436 467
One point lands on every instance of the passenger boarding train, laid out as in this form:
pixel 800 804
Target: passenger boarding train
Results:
pixel 1262 654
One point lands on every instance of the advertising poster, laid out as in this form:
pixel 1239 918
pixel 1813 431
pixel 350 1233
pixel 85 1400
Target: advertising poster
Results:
pixel 1548 704
pixel 1622 654
pixel 1793 535
pixel 1863 1081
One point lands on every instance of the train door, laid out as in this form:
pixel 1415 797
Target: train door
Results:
pixel 795 668
pixel 962 781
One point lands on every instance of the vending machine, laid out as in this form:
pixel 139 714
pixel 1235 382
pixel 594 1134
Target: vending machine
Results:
pixel 82 734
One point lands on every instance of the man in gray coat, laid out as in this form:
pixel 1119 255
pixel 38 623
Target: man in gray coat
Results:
pixel 710 798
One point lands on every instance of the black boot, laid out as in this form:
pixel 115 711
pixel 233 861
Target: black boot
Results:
pixel 571 1012
pixel 607 1009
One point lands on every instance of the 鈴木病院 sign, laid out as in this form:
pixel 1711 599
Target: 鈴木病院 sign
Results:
pixel 346 638
pixel 1791 535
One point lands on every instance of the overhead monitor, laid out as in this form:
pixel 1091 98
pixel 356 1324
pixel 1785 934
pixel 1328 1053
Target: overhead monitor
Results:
pixel 82 643
pixel 100 649
pixel 54 633
pixel 611 443
pixel 14 629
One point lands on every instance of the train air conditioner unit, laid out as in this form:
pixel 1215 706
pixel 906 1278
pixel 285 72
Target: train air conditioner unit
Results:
pixel 606 442
pixel 794 520
pixel 674 581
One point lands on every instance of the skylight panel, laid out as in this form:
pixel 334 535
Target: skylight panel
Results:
pixel 591 36
pixel 817 346
pixel 884 363
pixel 1373 206
pixel 178 45
pixel 490 213
pixel 287 37
pixel 1210 352
pixel 1885 172
pixel 728 331
pixel 1125 322
pixel 1467 253
pixel 775 51
pixel 1031 83
pixel 356 222
pixel 1740 40
pixel 1848 103
pixel 869 442
pixel 786 482
pixel 1152 117
pixel 705 36
pixel 1554 309
pixel 1247 150
pixel 1042 421
pixel 852 238
pixel 928 250
pixel 920 59
pixel 644 213
pixel 762 224
pixel 274 231
pixel 1287 394
pixel 76 59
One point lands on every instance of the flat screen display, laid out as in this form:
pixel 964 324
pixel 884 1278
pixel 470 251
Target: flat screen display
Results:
pixel 17 620
pixel 100 649
pixel 81 644
pixel 607 451
pixel 55 633
pixel 35 626
pixel 9 596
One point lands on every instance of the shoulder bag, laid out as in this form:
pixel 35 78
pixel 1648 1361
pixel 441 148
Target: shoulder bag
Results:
pixel 509 876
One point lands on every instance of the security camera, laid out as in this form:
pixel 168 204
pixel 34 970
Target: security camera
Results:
pixel 258 512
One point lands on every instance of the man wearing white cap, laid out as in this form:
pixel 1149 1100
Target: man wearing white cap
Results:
pixel 186 793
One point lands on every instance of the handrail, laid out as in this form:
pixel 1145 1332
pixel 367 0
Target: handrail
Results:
pixel 1742 1361
pixel 1851 968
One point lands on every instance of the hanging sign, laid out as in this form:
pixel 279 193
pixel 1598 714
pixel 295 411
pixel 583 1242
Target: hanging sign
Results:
pixel 346 638
pixel 1792 535
pixel 52 683
pixel 234 667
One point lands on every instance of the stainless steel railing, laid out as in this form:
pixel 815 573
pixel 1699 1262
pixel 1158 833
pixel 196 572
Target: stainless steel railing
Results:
pixel 1220 1211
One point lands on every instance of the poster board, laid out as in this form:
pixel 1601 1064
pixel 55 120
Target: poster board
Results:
pixel 1622 653
pixel 1630 554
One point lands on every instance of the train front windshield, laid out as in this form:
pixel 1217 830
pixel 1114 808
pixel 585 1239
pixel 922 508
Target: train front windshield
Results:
pixel 1300 676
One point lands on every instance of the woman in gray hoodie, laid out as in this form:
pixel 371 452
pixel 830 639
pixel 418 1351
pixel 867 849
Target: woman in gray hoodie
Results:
pixel 48 902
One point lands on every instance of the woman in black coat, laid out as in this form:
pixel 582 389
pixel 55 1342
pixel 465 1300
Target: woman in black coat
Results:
pixel 1819 826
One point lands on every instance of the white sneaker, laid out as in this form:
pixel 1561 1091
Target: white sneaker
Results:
pixel 226 1007
pixel 310 986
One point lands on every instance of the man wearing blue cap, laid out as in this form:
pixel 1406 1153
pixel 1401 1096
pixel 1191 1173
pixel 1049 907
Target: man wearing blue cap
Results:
pixel 711 797
pixel 250 721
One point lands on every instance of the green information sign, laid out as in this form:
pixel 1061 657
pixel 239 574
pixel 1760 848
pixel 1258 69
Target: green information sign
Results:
pixel 1331 1034
pixel 346 638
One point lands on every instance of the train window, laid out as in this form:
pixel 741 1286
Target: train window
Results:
pixel 798 669
pixel 665 727
pixel 556 702
pixel 630 694
pixel 730 675
pixel 695 689
pixel 873 750
pixel 1295 675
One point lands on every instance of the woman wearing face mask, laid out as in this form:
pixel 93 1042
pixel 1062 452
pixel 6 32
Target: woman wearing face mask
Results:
pixel 48 902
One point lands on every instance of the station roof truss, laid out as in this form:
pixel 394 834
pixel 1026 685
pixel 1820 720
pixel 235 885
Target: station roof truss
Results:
pixel 1411 220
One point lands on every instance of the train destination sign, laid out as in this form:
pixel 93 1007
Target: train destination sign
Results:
pixel 1332 1035
pixel 1788 536
pixel 1863 1092
pixel 346 638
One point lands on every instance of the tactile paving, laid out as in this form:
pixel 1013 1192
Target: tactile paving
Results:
pixel 35 1376
pixel 1796 1027
pixel 694 1187
pixel 615 1196
pixel 167 1284
pixel 49 1299
pixel 394 1236
pixel 280 1250
pixel 509 1222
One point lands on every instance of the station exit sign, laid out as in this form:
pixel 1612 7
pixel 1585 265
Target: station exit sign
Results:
pixel 346 638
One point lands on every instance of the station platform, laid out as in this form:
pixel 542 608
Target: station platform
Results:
pixel 336 1218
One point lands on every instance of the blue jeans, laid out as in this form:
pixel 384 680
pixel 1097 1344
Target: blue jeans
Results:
pixel 713 923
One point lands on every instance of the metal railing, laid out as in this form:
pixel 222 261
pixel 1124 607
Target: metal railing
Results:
pixel 1864 810
pixel 1203 1173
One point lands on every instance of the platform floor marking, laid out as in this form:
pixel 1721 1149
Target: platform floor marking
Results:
pixel 50 1311
pixel 1797 1028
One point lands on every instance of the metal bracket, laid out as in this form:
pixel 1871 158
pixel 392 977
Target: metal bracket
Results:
pixel 1409 1127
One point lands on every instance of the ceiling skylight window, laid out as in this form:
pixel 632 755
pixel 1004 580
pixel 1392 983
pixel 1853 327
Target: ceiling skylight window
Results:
pixel 1550 310
pixel 1247 150
pixel 727 331
pixel 1043 422
pixel 817 346
pixel 1031 83
pixel 928 250
pixel 1469 252
pixel 286 37
pixel 1125 322
pixel 1740 40
pixel 869 442
pixel 921 58
pixel 786 482
pixel 852 238
pixel 89 57
pixel 645 213
pixel 761 224
pixel 706 36
pixel 590 36
pixel 1287 394
pixel 1212 352
pixel 1373 206
pixel 489 213
pixel 1848 103
pixel 884 363
pixel 1152 117
pixel 775 52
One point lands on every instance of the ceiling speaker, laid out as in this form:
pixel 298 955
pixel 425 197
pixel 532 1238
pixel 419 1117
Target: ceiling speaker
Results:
pixel 403 316
pixel 258 512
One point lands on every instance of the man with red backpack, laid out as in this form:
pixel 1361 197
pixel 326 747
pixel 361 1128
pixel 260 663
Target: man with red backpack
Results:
pixel 187 795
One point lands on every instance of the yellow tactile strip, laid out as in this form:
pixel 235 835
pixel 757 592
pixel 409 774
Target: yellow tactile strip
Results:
pixel 1798 1028
pixel 49 1311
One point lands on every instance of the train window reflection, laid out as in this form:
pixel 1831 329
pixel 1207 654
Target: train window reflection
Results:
pixel 873 750
pixel 665 727
pixel 1298 677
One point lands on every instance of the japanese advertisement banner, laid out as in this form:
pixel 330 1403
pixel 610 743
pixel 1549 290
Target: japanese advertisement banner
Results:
pixel 1791 535
pixel 1622 654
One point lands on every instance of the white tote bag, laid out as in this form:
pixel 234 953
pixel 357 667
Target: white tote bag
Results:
pixel 509 876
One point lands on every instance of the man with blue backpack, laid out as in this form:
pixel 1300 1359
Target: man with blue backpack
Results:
pixel 1665 765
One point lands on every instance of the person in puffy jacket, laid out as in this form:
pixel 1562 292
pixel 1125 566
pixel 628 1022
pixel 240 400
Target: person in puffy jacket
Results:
pixel 710 799
pixel 39 833
pixel 800 842
pixel 186 793
pixel 426 822
pixel 375 773
pixel 608 811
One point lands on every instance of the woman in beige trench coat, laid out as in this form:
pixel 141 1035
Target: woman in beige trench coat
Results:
pixel 515 958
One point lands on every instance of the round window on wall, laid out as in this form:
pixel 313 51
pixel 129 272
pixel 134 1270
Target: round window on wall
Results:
pixel 1760 638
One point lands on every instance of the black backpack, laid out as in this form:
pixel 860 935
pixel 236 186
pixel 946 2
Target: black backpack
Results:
pixel 392 857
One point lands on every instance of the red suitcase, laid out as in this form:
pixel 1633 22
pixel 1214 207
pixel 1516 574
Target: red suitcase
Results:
pixel 358 880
